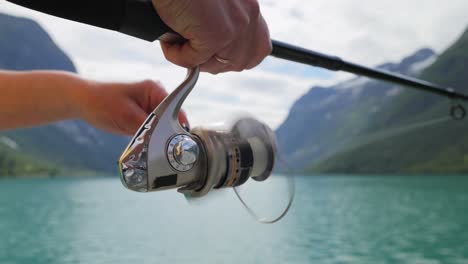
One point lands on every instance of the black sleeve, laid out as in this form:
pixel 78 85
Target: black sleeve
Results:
pixel 137 18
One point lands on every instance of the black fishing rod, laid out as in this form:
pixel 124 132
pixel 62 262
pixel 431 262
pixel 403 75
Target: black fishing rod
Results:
pixel 297 54
pixel 138 18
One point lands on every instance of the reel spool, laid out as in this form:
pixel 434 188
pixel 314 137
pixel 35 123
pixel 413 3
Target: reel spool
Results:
pixel 163 155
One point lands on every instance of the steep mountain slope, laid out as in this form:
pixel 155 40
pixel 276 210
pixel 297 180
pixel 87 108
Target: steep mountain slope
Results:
pixel 438 148
pixel 24 45
pixel 327 119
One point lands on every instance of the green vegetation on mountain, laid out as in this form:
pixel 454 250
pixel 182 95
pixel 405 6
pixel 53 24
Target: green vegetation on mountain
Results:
pixel 326 120
pixel 439 147
pixel 14 164
pixel 368 126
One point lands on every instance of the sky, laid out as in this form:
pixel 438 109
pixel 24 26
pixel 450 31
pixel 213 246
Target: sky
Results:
pixel 369 32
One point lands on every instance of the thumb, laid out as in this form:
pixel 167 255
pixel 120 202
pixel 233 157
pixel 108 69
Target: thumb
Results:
pixel 133 118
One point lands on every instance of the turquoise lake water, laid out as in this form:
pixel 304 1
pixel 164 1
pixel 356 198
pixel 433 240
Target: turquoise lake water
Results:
pixel 333 220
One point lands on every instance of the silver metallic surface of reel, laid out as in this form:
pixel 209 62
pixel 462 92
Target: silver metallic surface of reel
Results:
pixel 145 165
pixel 162 155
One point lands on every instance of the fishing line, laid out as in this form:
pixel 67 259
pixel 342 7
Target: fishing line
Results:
pixel 389 133
pixel 291 194
pixel 457 113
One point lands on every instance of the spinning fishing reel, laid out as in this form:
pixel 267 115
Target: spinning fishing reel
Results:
pixel 164 155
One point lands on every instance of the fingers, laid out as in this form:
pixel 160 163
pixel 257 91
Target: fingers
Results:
pixel 151 95
pixel 122 108
pixel 243 53
pixel 155 94
pixel 264 45
pixel 185 54
pixel 233 31
pixel 129 120
pixel 214 66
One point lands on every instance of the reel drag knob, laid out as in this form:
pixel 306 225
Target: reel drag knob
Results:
pixel 182 152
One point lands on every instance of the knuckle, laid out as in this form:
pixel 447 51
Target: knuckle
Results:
pixel 264 49
pixel 253 64
pixel 253 8
pixel 151 86
pixel 149 83
pixel 238 67
pixel 212 70
pixel 264 52
pixel 242 18
pixel 217 71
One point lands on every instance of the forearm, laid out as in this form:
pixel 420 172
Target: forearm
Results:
pixel 39 97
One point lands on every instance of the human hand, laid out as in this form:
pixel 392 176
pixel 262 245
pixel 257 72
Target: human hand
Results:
pixel 223 35
pixel 121 107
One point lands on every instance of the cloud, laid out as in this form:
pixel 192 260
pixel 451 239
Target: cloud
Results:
pixel 365 31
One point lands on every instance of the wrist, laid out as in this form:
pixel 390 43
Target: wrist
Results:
pixel 77 97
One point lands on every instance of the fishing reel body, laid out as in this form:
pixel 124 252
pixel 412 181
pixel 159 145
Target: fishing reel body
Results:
pixel 163 155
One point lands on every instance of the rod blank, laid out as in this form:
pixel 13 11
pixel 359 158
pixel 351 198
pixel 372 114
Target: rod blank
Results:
pixel 297 54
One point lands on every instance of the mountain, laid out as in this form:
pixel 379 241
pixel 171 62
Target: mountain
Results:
pixel 363 126
pixel 326 119
pixel 435 147
pixel 71 145
pixel 24 45
pixel 13 163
